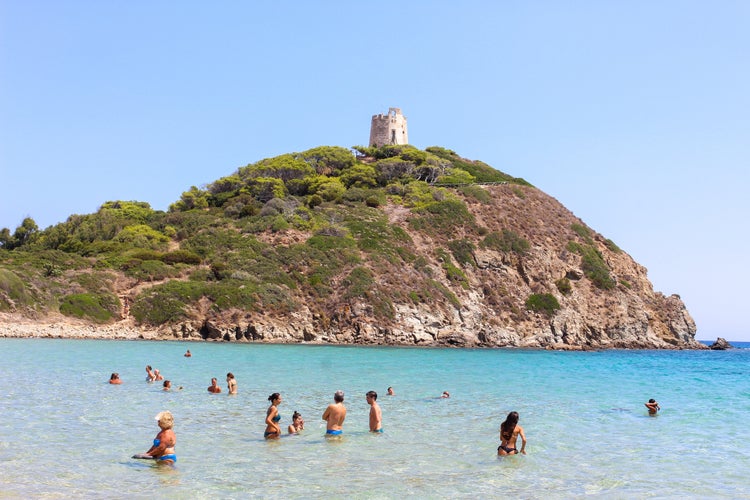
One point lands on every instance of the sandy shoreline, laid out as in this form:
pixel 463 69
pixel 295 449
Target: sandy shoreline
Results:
pixel 14 328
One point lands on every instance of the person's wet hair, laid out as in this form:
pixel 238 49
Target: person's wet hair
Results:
pixel 273 397
pixel 339 396
pixel 372 394
pixel 296 415
pixel 507 427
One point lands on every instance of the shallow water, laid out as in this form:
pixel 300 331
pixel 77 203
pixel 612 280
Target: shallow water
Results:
pixel 67 432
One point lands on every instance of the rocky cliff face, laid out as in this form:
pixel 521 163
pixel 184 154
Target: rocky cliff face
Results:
pixel 490 310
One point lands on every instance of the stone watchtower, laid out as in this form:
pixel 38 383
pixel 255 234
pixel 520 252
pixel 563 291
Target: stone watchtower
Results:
pixel 388 129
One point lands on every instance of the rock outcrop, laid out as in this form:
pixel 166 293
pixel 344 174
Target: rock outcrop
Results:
pixel 720 345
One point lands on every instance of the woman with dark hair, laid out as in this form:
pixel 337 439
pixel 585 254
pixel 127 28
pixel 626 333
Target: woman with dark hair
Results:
pixel 509 432
pixel 273 431
pixel 298 423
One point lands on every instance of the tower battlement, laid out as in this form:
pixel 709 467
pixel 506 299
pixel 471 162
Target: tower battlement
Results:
pixel 389 128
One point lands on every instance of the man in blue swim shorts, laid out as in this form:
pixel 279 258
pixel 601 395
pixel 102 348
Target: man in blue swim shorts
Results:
pixel 376 417
pixel 335 415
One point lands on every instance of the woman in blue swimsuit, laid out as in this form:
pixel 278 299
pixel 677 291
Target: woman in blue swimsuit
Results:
pixel 163 448
pixel 273 430
pixel 509 432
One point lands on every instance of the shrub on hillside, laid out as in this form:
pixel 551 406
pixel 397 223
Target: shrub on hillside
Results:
pixel 181 257
pixel 564 286
pixel 463 251
pixel 544 303
pixel 13 292
pixel 101 307
pixel 507 241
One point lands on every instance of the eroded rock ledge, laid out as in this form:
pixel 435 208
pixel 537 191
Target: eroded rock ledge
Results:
pixel 427 330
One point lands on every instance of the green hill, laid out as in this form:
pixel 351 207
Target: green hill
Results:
pixel 384 245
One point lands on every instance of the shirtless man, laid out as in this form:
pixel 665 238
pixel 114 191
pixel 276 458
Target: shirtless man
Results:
pixel 376 418
pixel 335 415
pixel 214 387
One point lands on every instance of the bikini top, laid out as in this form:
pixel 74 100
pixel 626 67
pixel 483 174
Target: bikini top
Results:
pixel 157 442
pixel 277 418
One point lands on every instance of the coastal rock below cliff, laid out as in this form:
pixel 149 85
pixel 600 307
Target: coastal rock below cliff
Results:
pixel 720 345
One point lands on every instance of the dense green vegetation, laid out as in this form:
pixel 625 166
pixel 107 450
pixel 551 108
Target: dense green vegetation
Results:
pixel 304 228
pixel 97 307
pixel 543 303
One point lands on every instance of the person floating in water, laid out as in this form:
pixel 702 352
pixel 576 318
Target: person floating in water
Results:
pixel 157 375
pixel 273 431
pixel 509 432
pixel 390 392
pixel 187 354
pixel 376 417
pixel 167 385
pixel 445 394
pixel 335 415
pixel 163 447
pixel 115 379
pixel 652 406
pixel 298 423
pixel 214 387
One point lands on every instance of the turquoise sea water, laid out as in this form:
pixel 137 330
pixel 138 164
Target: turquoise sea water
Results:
pixel 67 433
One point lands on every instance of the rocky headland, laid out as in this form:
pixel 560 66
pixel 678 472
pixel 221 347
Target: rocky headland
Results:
pixel 500 265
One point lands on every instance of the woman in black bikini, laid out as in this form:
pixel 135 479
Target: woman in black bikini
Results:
pixel 509 432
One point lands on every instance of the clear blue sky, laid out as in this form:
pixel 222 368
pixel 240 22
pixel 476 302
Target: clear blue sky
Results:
pixel 634 114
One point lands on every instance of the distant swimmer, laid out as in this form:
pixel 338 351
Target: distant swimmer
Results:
pixel 390 392
pixel 167 385
pixel 376 417
pixel 231 383
pixel 150 377
pixel 115 379
pixel 298 423
pixel 157 375
pixel 445 394
pixel 163 447
pixel 335 415
pixel 652 406
pixel 214 387
pixel 509 432
pixel 187 354
pixel 273 431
